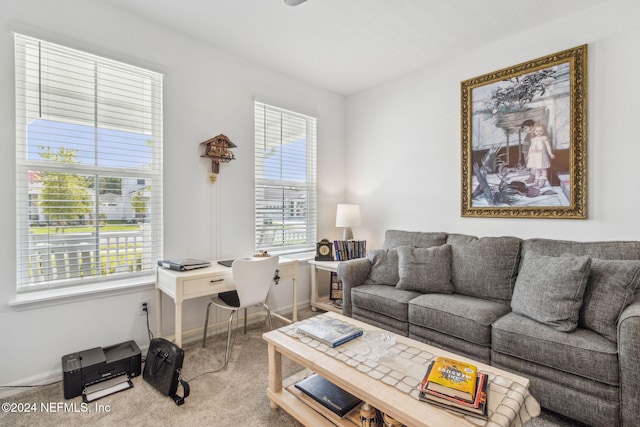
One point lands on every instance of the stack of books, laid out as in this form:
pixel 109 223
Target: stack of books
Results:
pixel 457 386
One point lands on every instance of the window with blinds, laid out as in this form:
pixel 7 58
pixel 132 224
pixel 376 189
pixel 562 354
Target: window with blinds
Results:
pixel 89 167
pixel 285 180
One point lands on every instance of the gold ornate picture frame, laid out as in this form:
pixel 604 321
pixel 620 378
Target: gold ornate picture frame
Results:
pixel 524 139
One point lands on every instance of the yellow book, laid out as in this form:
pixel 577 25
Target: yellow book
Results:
pixel 453 378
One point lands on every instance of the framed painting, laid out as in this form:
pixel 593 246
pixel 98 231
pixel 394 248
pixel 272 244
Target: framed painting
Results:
pixel 524 139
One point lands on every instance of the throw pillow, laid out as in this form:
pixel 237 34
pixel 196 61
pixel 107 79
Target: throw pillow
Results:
pixel 384 267
pixel 550 289
pixel 425 270
pixel 609 290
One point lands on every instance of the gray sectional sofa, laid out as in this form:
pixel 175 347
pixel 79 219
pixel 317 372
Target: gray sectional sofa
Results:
pixel 565 314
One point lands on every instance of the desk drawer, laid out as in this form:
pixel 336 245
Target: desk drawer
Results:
pixel 208 285
pixel 287 271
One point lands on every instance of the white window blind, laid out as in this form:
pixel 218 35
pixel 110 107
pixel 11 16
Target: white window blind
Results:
pixel 285 180
pixel 89 167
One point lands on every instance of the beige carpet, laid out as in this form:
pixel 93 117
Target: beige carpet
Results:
pixel 235 397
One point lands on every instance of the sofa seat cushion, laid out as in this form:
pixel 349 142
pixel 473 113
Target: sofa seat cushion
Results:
pixel 581 352
pixel 386 300
pixel 484 267
pixel 460 316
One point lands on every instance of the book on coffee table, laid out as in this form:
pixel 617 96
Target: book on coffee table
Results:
pixel 451 377
pixel 476 408
pixel 329 331
pixel 328 394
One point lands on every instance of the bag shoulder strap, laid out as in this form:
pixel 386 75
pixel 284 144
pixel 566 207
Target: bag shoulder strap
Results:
pixel 185 387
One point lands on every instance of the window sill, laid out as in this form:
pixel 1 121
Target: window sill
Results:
pixel 300 256
pixel 38 299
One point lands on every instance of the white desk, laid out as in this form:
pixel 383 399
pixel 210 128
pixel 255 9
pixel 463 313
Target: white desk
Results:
pixel 316 302
pixel 202 282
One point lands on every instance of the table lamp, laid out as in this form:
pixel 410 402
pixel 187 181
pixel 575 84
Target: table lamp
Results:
pixel 347 216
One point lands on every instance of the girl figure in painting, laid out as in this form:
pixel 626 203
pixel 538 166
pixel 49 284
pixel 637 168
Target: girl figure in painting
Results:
pixel 540 154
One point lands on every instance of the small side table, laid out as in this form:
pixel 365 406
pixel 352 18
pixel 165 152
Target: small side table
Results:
pixel 316 302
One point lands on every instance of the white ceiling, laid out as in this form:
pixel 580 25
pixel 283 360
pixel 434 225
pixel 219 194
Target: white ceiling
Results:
pixel 350 45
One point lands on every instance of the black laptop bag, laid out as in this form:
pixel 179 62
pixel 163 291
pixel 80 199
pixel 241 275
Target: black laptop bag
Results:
pixel 163 367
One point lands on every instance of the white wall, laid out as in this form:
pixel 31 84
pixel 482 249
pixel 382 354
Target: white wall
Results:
pixel 207 91
pixel 404 138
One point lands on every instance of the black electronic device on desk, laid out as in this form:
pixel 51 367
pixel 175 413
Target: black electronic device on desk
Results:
pixel 226 262
pixel 99 371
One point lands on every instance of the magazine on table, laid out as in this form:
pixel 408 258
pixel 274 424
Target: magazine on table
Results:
pixel 329 331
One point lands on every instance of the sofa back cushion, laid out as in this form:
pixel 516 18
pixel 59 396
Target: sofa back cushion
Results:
pixel 613 249
pixel 550 289
pixel 484 267
pixel 425 270
pixel 417 239
pixel 384 267
pixel 609 290
pixel 603 250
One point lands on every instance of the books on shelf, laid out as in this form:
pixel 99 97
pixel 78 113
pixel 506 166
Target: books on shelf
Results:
pixel 476 408
pixel 329 331
pixel 328 394
pixel 453 378
pixel 183 264
pixel 349 249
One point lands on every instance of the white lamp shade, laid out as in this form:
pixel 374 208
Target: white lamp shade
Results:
pixel 348 215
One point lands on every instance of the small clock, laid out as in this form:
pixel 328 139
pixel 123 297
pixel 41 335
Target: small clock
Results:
pixel 324 251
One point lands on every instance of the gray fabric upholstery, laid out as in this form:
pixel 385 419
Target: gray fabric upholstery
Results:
pixel 629 362
pixel 581 374
pixel 395 238
pixel 550 289
pixel 425 270
pixel 460 316
pixel 567 394
pixel 384 267
pixel 385 300
pixel 380 320
pixel 609 290
pixel 352 273
pixel 603 250
pixel 432 337
pixel 485 267
pixel 582 353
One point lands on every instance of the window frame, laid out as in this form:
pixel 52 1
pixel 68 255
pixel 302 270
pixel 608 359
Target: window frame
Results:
pixel 308 187
pixel 152 244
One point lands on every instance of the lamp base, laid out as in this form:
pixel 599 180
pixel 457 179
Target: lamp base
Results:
pixel 347 234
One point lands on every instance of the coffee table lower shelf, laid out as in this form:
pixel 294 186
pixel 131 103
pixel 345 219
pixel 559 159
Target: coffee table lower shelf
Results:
pixel 308 411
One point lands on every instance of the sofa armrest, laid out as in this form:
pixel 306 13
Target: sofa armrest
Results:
pixel 629 363
pixel 352 273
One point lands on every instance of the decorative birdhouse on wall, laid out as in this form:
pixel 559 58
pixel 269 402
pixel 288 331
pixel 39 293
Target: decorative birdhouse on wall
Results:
pixel 217 149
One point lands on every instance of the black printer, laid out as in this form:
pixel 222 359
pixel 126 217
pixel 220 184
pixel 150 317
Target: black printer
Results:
pixel 97 365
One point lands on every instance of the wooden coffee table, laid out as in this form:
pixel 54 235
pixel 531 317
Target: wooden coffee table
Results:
pixel 388 384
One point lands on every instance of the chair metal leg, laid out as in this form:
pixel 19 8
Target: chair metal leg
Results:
pixel 245 320
pixel 228 352
pixel 268 315
pixel 206 326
